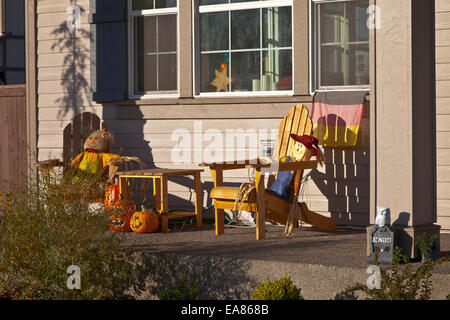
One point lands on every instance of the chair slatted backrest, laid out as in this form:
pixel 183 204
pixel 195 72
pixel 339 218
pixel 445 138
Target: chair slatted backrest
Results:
pixel 297 121
pixel 76 133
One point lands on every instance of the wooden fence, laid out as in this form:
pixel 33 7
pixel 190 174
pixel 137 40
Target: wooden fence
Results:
pixel 13 133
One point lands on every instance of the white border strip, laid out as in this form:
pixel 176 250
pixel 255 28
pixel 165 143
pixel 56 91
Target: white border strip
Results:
pixel 244 6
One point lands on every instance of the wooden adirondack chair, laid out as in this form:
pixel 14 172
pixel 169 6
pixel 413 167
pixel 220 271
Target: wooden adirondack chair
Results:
pixel 261 202
pixel 74 136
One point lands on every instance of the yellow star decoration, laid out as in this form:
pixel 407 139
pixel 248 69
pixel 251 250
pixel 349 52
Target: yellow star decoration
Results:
pixel 221 81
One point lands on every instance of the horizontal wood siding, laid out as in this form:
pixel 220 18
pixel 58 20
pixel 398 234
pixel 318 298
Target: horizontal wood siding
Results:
pixel 148 128
pixel 443 111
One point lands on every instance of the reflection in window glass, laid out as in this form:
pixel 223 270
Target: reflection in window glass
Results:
pixel 214 31
pixel 343 43
pixel 248 50
pixel 245 29
pixel 277 27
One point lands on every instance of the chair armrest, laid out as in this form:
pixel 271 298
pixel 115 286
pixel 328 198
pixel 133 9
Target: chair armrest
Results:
pixel 238 164
pixel 300 165
pixel 46 165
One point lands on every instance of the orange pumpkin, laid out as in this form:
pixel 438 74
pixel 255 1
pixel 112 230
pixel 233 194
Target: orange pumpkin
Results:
pixel 123 210
pixel 144 222
pixel 112 195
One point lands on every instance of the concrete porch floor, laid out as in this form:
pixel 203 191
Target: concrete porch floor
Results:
pixel 231 265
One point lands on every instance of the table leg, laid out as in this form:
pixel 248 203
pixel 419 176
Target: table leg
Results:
pixel 122 183
pixel 163 204
pixel 198 199
pixel 164 223
pixel 219 214
pixel 260 207
pixel 164 196
pixel 157 194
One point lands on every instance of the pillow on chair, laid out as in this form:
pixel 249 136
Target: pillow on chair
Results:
pixel 281 186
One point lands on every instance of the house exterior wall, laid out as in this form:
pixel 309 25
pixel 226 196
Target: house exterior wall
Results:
pixel 145 128
pixel 443 111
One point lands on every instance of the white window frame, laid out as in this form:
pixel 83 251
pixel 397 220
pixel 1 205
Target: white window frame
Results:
pixel 235 7
pixel 314 31
pixel 131 61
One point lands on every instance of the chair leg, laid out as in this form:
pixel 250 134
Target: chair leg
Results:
pixel 220 221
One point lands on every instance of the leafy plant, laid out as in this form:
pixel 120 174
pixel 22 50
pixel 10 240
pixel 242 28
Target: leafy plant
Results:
pixel 425 244
pixel 278 289
pixel 401 283
pixel 181 291
pixel 346 296
pixel 49 225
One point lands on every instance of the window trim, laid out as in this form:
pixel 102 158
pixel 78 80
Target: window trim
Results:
pixel 197 10
pixel 132 95
pixel 314 52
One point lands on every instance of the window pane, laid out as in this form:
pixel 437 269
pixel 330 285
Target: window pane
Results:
pixel 209 2
pixel 277 27
pixel 244 49
pixel 357 16
pixel 343 46
pixel 142 4
pixel 277 68
pixel 332 22
pixel 211 65
pixel 146 71
pixel 214 31
pixel 146 33
pixel 245 67
pixel 359 62
pixel 167 72
pixel 153 4
pixel 245 29
pixel 155 53
pixel 331 64
pixel 167 33
pixel 165 4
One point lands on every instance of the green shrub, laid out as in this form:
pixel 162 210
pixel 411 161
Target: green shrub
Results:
pixel 181 291
pixel 278 289
pixel 425 244
pixel 46 227
pixel 402 282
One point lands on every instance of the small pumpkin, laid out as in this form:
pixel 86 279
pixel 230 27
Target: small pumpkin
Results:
pixel 123 210
pixel 144 222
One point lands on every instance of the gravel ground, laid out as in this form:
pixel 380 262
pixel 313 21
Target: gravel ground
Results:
pixel 229 266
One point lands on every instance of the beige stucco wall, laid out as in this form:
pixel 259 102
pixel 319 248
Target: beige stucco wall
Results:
pixel 393 109
pixel 443 111
pixel 144 128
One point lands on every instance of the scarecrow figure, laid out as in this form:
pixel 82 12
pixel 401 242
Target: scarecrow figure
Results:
pixel 96 156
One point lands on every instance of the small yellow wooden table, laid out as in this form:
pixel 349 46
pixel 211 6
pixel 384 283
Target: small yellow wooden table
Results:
pixel 160 192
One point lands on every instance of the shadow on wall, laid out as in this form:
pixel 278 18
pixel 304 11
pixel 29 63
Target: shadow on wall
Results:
pixel 345 183
pixel 76 62
pixel 127 123
pixel 345 178
pixel 129 134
